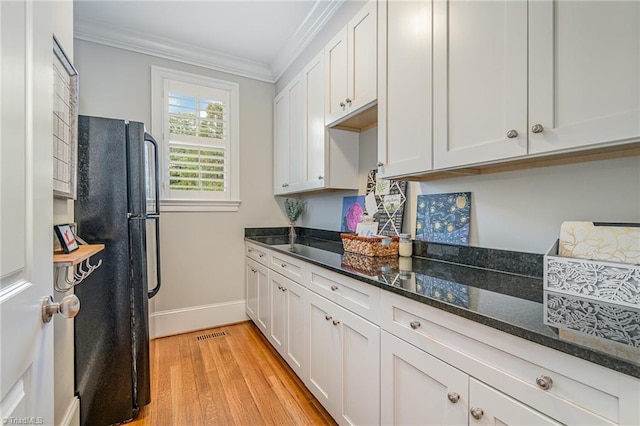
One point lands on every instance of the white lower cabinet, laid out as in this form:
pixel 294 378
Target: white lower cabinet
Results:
pixel 490 407
pixel 344 363
pixel 288 321
pixel 263 304
pixel 251 287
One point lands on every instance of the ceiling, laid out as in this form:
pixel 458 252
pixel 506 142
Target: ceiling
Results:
pixel 253 38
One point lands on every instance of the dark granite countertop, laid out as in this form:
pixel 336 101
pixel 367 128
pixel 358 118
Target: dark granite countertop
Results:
pixel 497 288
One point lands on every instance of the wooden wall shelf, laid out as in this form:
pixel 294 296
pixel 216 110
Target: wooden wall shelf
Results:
pixel 83 253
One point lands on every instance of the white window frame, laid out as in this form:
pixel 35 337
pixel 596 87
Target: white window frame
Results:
pixel 160 129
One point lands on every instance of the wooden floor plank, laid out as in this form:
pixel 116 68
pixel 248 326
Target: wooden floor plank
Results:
pixel 235 379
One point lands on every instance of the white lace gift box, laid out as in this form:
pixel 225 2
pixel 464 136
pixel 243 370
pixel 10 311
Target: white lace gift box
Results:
pixel 612 282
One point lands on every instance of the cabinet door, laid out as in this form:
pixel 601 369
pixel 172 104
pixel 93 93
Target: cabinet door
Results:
pixel 297 148
pixel 490 407
pixel 323 351
pixel 251 282
pixel 277 332
pixel 264 303
pixel 289 147
pixel 313 84
pixel 358 397
pixel 281 143
pixel 335 59
pixel 362 57
pixel 296 351
pixel 404 87
pixel 416 387
pixel 479 81
pixel 584 80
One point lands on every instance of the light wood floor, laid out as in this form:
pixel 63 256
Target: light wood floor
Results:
pixel 236 379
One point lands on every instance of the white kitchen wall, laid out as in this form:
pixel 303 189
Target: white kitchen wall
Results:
pixel 202 253
pixel 519 210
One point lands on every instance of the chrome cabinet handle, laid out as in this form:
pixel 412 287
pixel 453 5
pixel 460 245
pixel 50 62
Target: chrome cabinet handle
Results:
pixel 68 307
pixel 414 324
pixel 320 177
pixel 342 104
pixel 254 270
pixel 454 397
pixel 380 164
pixel 283 265
pixel 327 317
pixel 283 289
pixel 261 255
pixel 334 287
pixel 537 128
pixel 348 101
pixel 336 322
pixel 279 287
pixel 544 382
pixel 284 185
pixel 512 134
pixel 476 413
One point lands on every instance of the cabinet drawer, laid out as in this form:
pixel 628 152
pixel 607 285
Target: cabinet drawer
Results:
pixel 288 266
pixel 583 393
pixel 256 253
pixel 360 298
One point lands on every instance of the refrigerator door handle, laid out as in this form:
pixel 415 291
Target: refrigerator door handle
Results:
pixel 152 141
pixel 156 289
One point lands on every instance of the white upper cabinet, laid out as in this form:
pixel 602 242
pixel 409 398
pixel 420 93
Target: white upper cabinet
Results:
pixel 584 79
pixel 308 156
pixel 405 114
pixel 290 150
pixel 518 78
pixel 351 66
pixel 313 84
pixel 480 81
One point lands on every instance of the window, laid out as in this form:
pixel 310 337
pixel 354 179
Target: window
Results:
pixel 196 121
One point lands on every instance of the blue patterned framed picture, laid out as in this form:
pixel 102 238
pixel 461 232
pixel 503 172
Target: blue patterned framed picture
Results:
pixel 444 218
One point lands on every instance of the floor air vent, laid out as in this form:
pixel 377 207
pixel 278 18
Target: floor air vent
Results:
pixel 211 335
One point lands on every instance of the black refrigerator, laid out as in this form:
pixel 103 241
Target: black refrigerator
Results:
pixel 117 205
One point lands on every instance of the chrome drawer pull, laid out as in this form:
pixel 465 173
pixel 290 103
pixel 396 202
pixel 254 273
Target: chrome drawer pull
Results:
pixel 336 322
pixel 454 397
pixel 544 382
pixel 476 413
pixel 327 317
pixel 334 287
pixel 283 265
pixel 414 324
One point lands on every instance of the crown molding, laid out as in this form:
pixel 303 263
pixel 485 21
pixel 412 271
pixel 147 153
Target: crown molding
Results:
pixel 108 35
pixel 318 16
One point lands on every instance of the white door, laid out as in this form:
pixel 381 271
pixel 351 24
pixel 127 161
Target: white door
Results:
pixel 277 332
pixel 251 280
pixel 487 406
pixel 404 87
pixel 335 62
pixel 362 62
pixel 313 83
pixel 264 304
pixel 359 370
pixel 296 339
pixel 26 212
pixel 584 78
pixel 323 351
pixel 281 143
pixel 408 374
pixel 479 81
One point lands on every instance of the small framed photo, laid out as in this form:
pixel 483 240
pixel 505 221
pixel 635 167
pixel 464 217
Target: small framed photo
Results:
pixel 66 237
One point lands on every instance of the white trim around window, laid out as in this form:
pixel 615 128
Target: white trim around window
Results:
pixel 224 145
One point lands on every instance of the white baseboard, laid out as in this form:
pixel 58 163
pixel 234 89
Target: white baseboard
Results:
pixel 176 321
pixel 72 416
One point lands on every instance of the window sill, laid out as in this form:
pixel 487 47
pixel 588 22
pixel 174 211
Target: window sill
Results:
pixel 174 206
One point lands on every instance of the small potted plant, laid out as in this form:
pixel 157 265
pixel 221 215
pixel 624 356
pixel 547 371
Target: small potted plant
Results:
pixel 294 208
